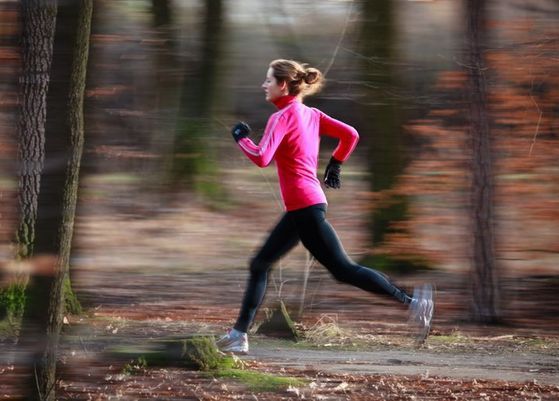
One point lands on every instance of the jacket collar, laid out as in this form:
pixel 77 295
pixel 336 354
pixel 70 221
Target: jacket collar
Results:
pixel 284 101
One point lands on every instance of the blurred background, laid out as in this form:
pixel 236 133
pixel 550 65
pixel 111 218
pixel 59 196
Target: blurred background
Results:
pixel 448 97
pixel 116 158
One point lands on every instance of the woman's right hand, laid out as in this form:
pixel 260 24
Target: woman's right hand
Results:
pixel 240 130
pixel 332 174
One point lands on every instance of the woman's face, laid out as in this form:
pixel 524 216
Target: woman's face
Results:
pixel 272 88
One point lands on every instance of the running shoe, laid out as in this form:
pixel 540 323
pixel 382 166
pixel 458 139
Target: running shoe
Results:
pixel 233 342
pixel 421 311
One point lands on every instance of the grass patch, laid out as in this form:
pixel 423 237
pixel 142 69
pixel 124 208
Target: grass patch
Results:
pixel 450 339
pixel 457 342
pixel 537 344
pixel 327 331
pixel 135 366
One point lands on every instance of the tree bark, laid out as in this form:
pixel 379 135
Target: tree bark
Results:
pixel 38 18
pixel 484 267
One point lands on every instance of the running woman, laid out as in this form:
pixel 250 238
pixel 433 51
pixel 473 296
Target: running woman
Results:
pixel 291 139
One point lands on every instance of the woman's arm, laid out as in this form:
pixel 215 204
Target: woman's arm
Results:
pixel 347 135
pixel 263 153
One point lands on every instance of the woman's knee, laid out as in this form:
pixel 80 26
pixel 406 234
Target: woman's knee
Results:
pixel 259 266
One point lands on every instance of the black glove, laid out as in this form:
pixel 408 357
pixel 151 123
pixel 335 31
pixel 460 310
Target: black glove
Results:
pixel 240 130
pixel 332 173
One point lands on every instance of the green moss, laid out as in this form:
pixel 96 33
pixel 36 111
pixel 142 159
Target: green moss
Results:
pixel 12 301
pixel 71 303
pixel 201 353
pixel 257 381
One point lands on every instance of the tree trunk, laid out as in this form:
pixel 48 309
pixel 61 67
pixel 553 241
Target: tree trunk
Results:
pixel 76 124
pixel 57 199
pixel 484 269
pixel 384 114
pixel 38 18
pixel 193 161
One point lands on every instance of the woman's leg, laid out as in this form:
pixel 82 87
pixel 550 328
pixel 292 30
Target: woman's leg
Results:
pixel 280 241
pixel 321 240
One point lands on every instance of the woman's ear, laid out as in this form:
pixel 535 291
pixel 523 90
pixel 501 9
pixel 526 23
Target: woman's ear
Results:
pixel 283 87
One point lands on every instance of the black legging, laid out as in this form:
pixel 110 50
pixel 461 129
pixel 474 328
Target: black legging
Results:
pixel 311 227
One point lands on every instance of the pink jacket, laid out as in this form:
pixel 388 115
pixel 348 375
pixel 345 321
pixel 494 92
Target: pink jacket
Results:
pixel 292 139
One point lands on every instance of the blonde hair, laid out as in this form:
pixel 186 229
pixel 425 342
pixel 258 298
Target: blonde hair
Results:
pixel 300 79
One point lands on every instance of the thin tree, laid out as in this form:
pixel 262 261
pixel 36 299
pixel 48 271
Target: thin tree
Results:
pixel 484 275
pixel 75 126
pixel 43 315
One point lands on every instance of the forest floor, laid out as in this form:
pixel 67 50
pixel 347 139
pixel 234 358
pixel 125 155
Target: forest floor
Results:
pixel 333 363
pixel 350 352
pixel 139 284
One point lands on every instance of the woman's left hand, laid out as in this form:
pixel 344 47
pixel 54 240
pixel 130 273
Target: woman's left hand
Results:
pixel 240 130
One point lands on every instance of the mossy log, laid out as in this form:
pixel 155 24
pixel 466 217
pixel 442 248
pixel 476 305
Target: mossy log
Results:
pixel 195 352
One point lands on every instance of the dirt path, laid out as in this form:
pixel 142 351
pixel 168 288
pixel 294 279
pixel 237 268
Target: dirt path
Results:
pixel 508 365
